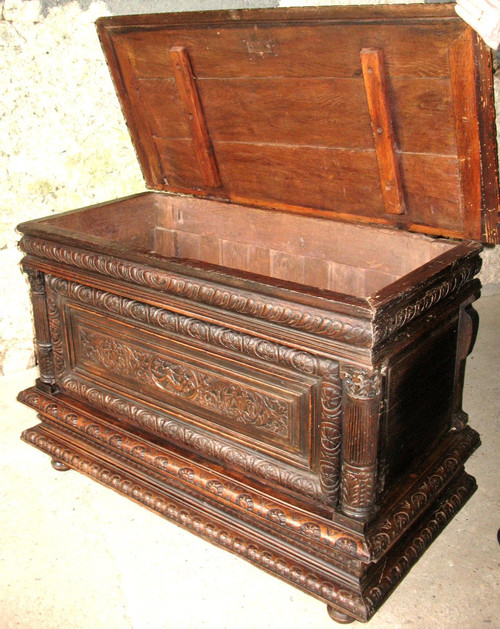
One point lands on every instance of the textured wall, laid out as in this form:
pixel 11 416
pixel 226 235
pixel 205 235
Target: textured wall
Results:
pixel 64 142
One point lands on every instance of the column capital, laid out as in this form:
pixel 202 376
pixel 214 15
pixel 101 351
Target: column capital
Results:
pixel 361 384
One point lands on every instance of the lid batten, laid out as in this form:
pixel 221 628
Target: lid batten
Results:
pixel 372 63
pixel 188 93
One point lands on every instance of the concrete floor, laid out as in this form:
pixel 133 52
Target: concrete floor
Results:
pixel 75 555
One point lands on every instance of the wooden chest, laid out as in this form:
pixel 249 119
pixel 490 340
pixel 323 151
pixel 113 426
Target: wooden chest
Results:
pixel 268 348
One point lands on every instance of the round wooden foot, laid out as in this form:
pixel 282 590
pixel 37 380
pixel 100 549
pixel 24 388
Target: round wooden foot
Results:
pixel 338 616
pixel 59 465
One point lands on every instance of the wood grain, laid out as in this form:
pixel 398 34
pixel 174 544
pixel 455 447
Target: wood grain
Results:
pixel 203 150
pixel 379 106
pixel 285 104
pixel 463 80
pixel 307 111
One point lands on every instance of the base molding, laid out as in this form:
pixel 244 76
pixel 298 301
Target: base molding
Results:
pixel 353 588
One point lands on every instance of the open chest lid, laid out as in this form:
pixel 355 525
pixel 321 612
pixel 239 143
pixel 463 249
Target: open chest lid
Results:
pixel 379 115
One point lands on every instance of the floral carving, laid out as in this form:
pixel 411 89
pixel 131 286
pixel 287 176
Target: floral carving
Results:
pixel 36 280
pixel 193 328
pixel 296 523
pixel 359 384
pixel 412 504
pixel 395 570
pixel 228 339
pixel 198 440
pixel 296 571
pixel 56 336
pixel 330 435
pixel 358 488
pixel 206 390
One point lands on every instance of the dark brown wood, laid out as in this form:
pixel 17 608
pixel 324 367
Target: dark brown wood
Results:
pixel 287 386
pixel 186 86
pixel 43 342
pixel 360 428
pixel 489 158
pixel 391 184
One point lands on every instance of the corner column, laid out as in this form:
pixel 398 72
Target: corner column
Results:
pixel 360 429
pixel 43 345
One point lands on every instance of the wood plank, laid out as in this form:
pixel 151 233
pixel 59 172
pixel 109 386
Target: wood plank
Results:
pixel 140 130
pixel 309 111
pixel 260 259
pixel 297 50
pixel 184 79
pixel 489 148
pixel 187 245
pixel 432 191
pixel 179 163
pixel 463 82
pixel 381 250
pixel 287 267
pixel 391 183
pixel 339 181
pixel 235 255
pixel 165 242
pixel 346 279
pixel 316 272
pixel 210 248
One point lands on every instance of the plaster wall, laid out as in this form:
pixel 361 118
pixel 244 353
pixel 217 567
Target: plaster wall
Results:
pixel 64 142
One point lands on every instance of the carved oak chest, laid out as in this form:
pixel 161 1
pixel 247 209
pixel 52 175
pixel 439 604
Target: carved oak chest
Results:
pixel 268 347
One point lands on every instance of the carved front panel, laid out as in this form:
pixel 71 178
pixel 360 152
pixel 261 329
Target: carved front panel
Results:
pixel 270 411
pixel 177 377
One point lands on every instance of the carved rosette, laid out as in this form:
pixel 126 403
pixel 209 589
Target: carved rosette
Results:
pixel 325 535
pixel 422 494
pixel 361 407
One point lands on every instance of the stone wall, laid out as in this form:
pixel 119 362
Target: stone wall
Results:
pixel 64 141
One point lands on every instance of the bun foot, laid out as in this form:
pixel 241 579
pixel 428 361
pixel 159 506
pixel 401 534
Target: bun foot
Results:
pixel 338 616
pixel 59 465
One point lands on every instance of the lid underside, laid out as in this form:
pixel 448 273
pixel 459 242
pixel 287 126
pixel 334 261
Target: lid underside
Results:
pixel 376 114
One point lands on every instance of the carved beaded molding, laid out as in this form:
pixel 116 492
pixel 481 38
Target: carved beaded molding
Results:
pixel 314 582
pixel 327 370
pixel 197 440
pixel 395 571
pixel 316 532
pixel 342 328
pixel 410 506
pixel 454 281
pixel 200 523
